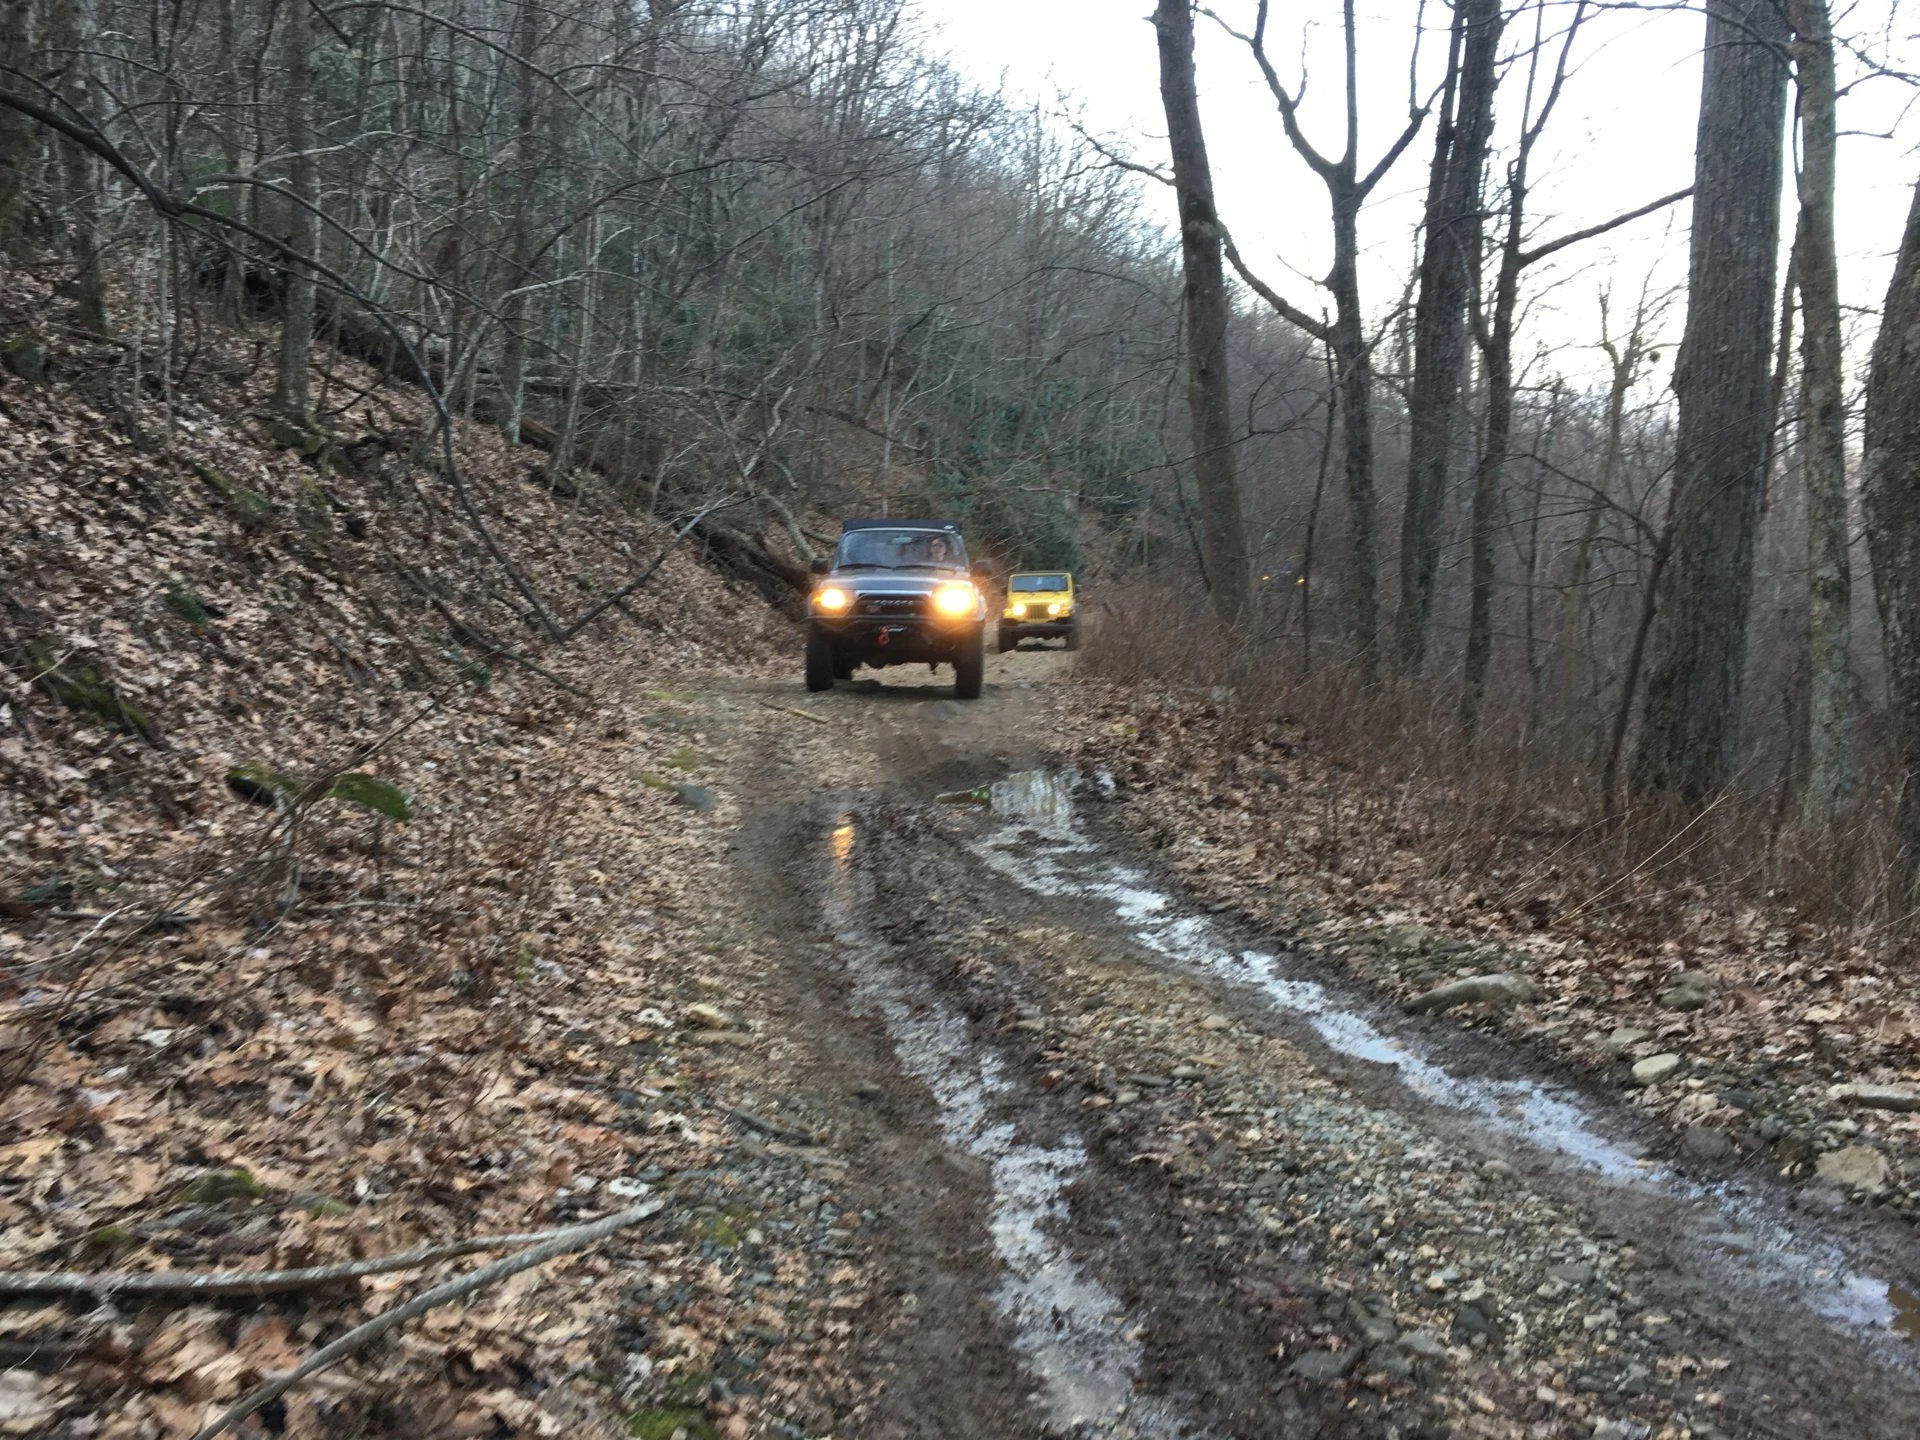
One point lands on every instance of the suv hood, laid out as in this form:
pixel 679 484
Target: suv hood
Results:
pixel 883 582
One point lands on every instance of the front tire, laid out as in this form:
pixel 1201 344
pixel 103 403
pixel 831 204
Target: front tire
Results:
pixel 970 666
pixel 820 662
pixel 1073 635
pixel 1005 640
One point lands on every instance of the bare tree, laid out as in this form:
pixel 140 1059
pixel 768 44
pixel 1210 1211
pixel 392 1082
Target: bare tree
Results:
pixel 1829 573
pixel 1347 190
pixel 1449 276
pixel 1890 493
pixel 1208 309
pixel 1726 408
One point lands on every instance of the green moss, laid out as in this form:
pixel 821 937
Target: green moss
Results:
pixel 655 782
pixel 108 1240
pixel 249 507
pixel 665 1424
pixel 685 758
pixel 188 606
pixel 729 1228
pixel 218 1185
pixel 26 356
pixel 325 1207
pixel 81 687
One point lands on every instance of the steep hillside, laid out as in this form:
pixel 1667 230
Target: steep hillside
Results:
pixel 332 897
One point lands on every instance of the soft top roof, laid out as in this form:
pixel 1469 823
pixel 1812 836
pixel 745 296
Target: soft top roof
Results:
pixel 949 525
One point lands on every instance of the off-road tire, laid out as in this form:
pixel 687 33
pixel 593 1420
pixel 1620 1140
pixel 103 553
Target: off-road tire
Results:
pixel 842 667
pixel 1004 641
pixel 970 666
pixel 1073 635
pixel 820 661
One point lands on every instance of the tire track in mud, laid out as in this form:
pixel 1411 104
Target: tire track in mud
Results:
pixel 1077 1250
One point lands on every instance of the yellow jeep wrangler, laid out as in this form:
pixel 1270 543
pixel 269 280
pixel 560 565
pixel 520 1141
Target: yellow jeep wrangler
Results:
pixel 1040 607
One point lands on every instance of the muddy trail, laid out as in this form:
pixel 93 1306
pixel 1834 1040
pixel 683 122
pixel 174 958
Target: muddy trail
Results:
pixel 1134 1169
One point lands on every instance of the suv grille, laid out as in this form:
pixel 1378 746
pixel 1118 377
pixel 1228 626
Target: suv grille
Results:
pixel 892 606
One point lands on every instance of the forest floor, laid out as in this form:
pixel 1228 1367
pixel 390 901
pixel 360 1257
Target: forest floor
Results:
pixel 969 1114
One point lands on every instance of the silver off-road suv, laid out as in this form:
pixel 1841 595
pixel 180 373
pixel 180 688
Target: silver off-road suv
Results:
pixel 898 592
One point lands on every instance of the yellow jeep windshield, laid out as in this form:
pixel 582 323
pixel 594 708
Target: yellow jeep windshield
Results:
pixel 1041 584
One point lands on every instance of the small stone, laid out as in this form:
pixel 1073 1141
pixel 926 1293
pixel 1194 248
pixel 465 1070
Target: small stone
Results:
pixel 1625 1038
pixel 1379 1329
pixel 1389 1361
pixel 1655 1068
pixel 1187 1072
pixel 1323 1366
pixel 1424 1345
pixel 1690 990
pixel 1499 989
pixel 1702 1142
pixel 1215 1022
pixel 1471 1320
pixel 1877 1097
pixel 708 1017
pixel 1857 1167
pixel 696 798
pixel 1575 1273
pixel 1739 1099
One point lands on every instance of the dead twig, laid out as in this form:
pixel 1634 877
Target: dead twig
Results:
pixel 214 1284
pixel 774 1129
pixel 790 710
pixel 576 1238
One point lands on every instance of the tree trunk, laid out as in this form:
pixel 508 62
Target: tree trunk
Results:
pixel 1890 494
pixel 1829 576
pixel 1725 410
pixel 296 334
pixel 18 142
pixel 1355 359
pixel 1209 401
pixel 1449 270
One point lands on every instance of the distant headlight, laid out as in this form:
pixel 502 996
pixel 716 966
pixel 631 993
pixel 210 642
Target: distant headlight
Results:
pixel 955 599
pixel 831 598
pixel 1017 611
pixel 1054 609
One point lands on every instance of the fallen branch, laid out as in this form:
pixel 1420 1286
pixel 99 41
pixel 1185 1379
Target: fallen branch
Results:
pixel 773 1129
pixel 212 1284
pixel 790 710
pixel 358 1338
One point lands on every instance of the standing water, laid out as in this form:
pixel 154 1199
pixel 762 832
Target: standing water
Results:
pixel 1041 850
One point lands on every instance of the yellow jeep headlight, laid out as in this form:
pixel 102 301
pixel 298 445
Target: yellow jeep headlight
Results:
pixel 1054 609
pixel 955 600
pixel 1017 611
pixel 832 599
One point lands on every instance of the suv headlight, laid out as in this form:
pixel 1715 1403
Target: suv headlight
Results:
pixel 1055 608
pixel 832 599
pixel 1018 612
pixel 955 600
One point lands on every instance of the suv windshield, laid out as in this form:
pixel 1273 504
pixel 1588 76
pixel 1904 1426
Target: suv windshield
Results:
pixel 900 550
pixel 1038 582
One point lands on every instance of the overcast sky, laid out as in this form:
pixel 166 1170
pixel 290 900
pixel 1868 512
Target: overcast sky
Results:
pixel 1622 136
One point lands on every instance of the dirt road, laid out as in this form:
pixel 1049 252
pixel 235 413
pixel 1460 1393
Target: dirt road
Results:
pixel 1124 1168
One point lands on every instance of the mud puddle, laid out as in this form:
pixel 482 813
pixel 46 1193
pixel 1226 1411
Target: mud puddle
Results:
pixel 1040 848
pixel 1073 1334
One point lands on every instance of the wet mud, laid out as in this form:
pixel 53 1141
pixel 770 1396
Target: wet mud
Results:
pixel 1046 1281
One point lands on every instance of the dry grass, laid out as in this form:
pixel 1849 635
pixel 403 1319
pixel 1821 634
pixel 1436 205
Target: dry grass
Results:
pixel 1515 810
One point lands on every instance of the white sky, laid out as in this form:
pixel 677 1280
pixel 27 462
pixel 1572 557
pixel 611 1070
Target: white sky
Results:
pixel 1622 136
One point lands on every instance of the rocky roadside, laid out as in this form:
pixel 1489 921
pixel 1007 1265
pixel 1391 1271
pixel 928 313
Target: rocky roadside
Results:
pixel 1421 1285
pixel 1757 1039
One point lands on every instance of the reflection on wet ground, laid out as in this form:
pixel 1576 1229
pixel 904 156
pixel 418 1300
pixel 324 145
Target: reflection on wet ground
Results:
pixel 1041 849
pixel 1072 1331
